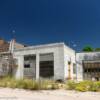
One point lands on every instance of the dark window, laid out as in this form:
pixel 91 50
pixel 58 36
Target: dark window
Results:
pixel 91 69
pixel 46 68
pixel 26 65
pixel 28 61
pixel 74 68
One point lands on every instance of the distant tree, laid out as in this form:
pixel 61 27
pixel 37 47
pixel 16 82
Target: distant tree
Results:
pixel 97 49
pixel 88 49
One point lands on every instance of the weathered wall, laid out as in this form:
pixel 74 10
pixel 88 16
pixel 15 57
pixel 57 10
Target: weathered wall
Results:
pixel 56 49
pixel 85 56
pixel 69 55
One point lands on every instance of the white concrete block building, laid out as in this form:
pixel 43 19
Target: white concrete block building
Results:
pixel 51 61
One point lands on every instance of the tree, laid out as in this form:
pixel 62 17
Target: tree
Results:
pixel 88 49
pixel 97 49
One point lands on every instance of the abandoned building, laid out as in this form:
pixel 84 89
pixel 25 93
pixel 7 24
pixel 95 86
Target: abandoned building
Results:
pixel 6 56
pixel 88 65
pixel 50 61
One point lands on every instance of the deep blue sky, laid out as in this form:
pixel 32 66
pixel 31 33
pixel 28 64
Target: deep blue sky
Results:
pixel 46 21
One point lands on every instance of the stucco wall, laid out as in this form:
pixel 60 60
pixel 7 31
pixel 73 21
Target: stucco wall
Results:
pixel 85 56
pixel 69 55
pixel 56 49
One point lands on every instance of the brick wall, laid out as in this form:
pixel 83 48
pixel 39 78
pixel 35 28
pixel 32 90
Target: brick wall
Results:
pixel 4 46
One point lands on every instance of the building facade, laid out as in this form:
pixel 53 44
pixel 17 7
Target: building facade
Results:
pixel 88 66
pixel 45 62
pixel 50 61
pixel 6 56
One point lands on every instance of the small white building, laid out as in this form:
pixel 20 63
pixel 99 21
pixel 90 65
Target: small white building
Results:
pixel 52 61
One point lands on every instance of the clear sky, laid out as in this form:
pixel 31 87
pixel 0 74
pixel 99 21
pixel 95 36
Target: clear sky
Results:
pixel 75 22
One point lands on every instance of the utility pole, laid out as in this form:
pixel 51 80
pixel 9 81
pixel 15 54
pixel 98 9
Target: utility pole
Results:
pixel 10 56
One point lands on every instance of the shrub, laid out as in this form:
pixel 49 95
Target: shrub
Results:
pixel 28 84
pixel 36 85
pixel 24 84
pixel 95 86
pixel 70 85
pixel 98 86
pixel 2 83
pixel 12 83
pixel 7 82
pixel 54 86
pixel 84 86
pixel 47 84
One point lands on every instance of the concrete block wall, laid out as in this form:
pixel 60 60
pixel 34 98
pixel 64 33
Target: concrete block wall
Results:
pixel 58 51
pixel 79 66
pixel 85 56
pixel 69 55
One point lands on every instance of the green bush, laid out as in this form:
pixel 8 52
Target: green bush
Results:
pixel 71 85
pixel 98 86
pixel 95 86
pixel 84 86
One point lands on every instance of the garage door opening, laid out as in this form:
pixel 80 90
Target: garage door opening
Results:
pixel 46 65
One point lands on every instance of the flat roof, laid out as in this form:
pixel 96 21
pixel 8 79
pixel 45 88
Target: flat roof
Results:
pixel 89 52
pixel 44 46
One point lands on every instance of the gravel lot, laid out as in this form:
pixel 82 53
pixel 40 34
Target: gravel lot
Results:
pixel 19 94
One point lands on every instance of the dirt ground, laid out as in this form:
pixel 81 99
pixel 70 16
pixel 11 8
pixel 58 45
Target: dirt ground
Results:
pixel 19 94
